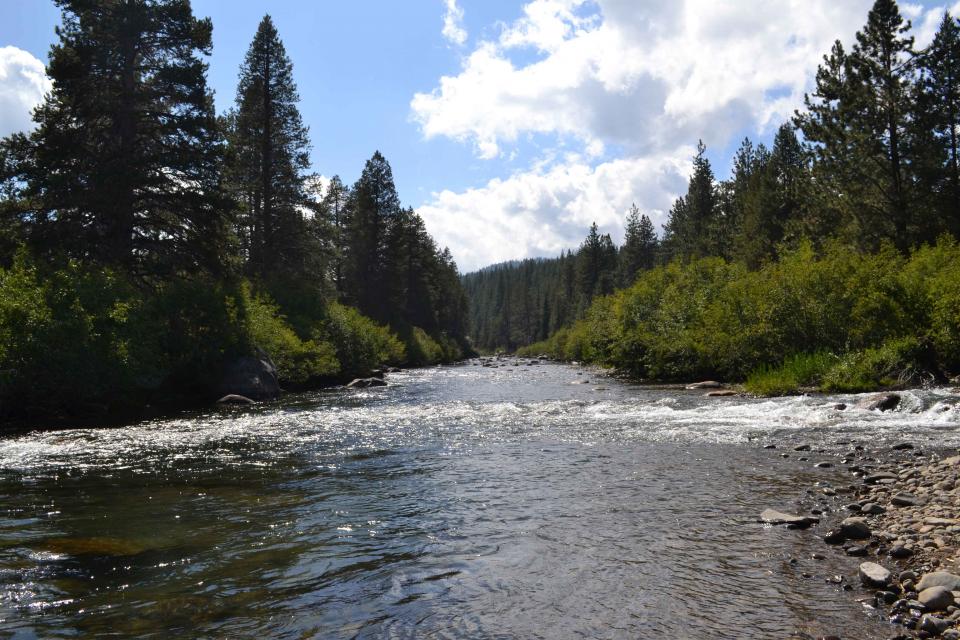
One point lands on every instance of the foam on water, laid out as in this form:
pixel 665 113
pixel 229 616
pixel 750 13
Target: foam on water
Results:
pixel 462 406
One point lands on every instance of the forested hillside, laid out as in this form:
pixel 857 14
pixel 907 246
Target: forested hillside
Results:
pixel 834 211
pixel 145 243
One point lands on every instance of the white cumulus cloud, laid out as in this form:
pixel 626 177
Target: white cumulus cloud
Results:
pixel 547 209
pixel 453 29
pixel 23 83
pixel 631 85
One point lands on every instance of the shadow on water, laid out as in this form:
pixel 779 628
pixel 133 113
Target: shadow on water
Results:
pixel 458 502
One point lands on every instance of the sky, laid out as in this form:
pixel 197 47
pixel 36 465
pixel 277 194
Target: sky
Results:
pixel 511 126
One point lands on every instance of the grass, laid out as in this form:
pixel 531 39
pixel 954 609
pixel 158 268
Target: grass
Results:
pixel 797 372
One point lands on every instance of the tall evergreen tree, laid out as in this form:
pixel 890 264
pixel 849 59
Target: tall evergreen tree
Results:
pixel 124 165
pixel 373 207
pixel 939 109
pixel 596 266
pixel 690 230
pixel 639 248
pixel 881 67
pixel 333 209
pixel 269 160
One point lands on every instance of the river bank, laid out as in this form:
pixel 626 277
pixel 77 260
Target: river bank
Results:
pixel 900 516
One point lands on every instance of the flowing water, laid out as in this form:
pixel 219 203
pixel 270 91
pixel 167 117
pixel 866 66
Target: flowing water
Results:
pixel 525 501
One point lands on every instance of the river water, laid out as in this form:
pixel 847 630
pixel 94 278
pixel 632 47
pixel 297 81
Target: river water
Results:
pixel 522 501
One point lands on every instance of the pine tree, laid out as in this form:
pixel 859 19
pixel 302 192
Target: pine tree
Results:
pixel 938 107
pixel 880 67
pixel 269 160
pixel 691 226
pixel 124 166
pixel 639 248
pixel 333 209
pixel 372 208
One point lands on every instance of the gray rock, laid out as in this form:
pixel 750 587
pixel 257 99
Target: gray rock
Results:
pixel 235 399
pixel 934 625
pixel 939 579
pixel 855 529
pixel 772 516
pixel 834 536
pixel 936 598
pixel 902 446
pixel 363 383
pixel 882 402
pixel 900 552
pixel 706 384
pixel 874 575
pixel 906 500
pixel 877 478
pixel 250 377
pixel 856 550
pixel 872 509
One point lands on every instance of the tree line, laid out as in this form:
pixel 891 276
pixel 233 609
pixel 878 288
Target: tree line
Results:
pixel 129 176
pixel 871 160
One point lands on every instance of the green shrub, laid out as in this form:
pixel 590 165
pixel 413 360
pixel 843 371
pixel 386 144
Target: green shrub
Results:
pixel 796 372
pixel 709 318
pixel 361 344
pixel 298 361
pixel 897 362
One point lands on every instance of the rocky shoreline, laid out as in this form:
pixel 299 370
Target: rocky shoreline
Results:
pixel 900 513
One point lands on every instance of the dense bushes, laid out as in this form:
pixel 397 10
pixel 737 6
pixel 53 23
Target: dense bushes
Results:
pixel 78 342
pixel 872 320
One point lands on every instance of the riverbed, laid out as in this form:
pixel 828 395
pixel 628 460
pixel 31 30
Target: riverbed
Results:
pixel 521 500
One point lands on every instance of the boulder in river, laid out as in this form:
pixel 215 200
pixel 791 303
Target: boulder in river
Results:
pixel 706 384
pixel 724 393
pixel 251 377
pixel 363 383
pixel 874 575
pixel 235 399
pixel 882 402
pixel 772 516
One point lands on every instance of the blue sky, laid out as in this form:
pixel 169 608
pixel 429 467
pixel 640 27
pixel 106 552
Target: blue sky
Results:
pixel 512 125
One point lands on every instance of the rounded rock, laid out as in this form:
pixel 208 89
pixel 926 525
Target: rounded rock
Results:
pixel 936 598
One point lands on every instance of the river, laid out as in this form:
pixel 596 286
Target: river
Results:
pixel 518 501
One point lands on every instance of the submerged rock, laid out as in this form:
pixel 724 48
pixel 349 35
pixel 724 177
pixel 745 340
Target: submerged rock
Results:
pixel 235 399
pixel 726 393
